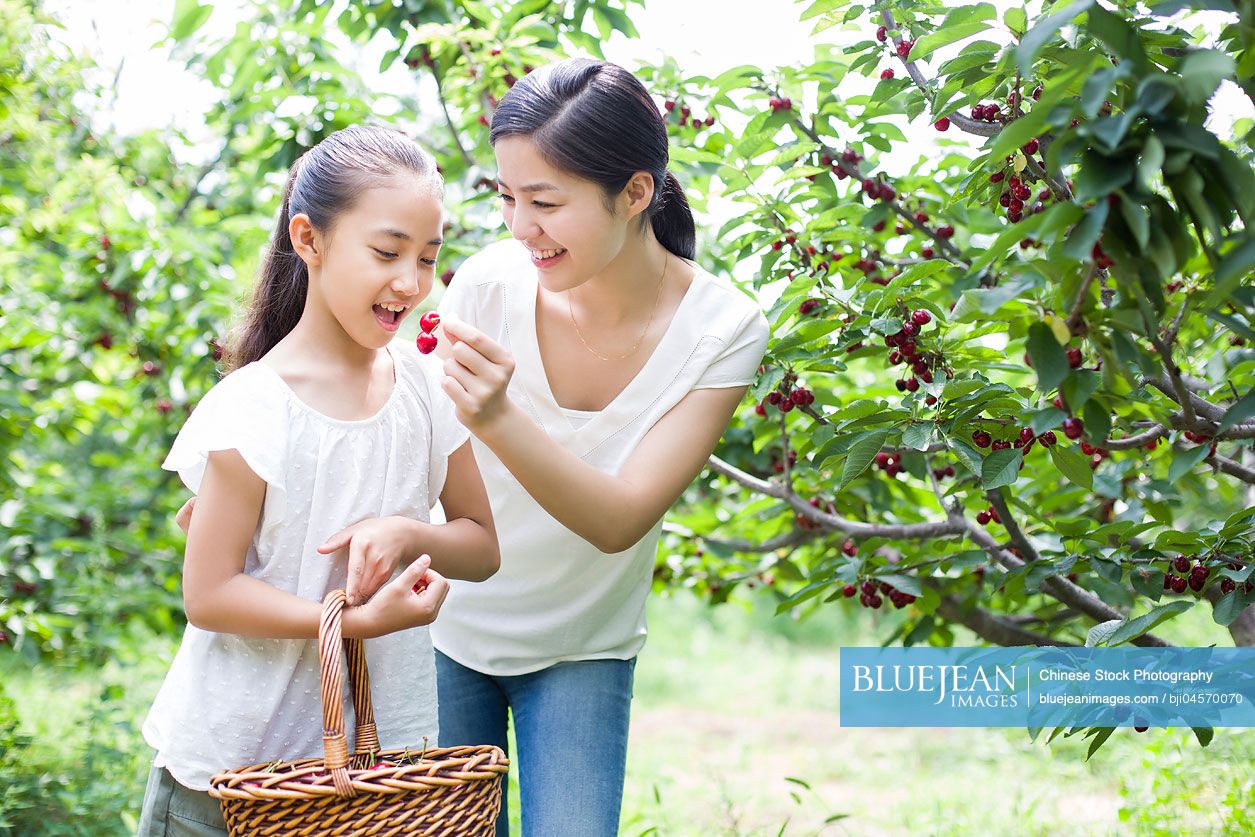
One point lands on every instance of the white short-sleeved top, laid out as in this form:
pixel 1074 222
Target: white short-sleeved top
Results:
pixel 556 596
pixel 230 701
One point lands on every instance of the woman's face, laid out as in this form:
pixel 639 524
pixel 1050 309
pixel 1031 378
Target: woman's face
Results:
pixel 560 218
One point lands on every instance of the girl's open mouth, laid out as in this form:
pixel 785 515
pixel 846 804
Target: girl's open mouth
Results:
pixel 389 316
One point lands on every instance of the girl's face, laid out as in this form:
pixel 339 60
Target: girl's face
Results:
pixel 560 218
pixel 378 261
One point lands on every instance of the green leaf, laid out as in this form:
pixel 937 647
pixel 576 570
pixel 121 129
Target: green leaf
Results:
pixel 1184 460
pixel 1133 628
pixel 1100 633
pixel 1100 739
pixel 1045 29
pixel 1241 410
pixel 861 454
pixel 905 583
pixel 1085 234
pixel 1050 361
pixel 1119 35
pixel 1078 388
pixel 1203 70
pixel 966 454
pixel 917 436
pixel 188 17
pixel 1204 735
pixel 1230 606
pixel 1015 19
pixel 1073 465
pixel 948 33
pixel 1235 266
pixel 1001 468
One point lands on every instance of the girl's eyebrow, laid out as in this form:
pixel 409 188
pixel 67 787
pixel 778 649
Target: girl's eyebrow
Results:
pixel 404 236
pixel 532 187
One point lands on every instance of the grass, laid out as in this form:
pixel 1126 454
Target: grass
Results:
pixel 735 732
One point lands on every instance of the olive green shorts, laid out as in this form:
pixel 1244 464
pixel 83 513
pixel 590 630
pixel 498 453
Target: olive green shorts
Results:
pixel 171 810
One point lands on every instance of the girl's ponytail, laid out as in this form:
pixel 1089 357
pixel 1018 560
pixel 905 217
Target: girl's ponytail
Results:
pixel 324 182
pixel 279 296
pixel 672 220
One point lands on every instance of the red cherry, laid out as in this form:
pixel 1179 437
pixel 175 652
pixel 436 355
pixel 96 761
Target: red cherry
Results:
pixel 426 343
pixel 1073 428
pixel 1227 585
pixel 1179 584
pixel 942 124
pixel 982 439
pixel 1048 438
pixel 848 591
pixel 1075 358
pixel 849 548
pixel 882 34
pixel 1181 564
pixel 886 75
pixel 1030 147
pixel 429 321
pixel 997 177
pixel 904 49
pixel 921 317
pixel 983 518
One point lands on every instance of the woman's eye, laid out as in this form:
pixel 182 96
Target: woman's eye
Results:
pixel 543 205
pixel 384 253
pixel 506 198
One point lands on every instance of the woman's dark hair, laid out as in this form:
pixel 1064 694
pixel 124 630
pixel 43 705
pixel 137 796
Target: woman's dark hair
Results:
pixel 597 121
pixel 324 183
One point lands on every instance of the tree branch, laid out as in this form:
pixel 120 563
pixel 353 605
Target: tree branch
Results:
pixel 899 531
pixel 990 627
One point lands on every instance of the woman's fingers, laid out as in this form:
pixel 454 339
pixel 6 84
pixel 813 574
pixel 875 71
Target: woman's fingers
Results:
pixel 338 541
pixel 184 515
pixel 473 338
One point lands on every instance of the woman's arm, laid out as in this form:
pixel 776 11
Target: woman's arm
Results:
pixel 610 511
pixel 219 596
pixel 465 547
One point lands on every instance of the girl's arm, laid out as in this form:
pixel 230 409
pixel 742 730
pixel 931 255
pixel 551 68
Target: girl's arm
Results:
pixel 465 547
pixel 219 596
pixel 610 511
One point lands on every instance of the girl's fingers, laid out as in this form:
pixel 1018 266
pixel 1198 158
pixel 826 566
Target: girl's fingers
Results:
pixel 337 541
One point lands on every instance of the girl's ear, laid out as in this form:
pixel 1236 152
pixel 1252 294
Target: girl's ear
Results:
pixel 639 193
pixel 305 239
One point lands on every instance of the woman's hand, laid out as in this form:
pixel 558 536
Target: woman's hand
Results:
pixel 376 546
pixel 479 371
pixel 184 515
pixel 410 600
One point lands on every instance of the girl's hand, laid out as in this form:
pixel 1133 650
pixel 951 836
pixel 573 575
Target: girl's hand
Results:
pixel 184 515
pixel 478 370
pixel 376 547
pixel 398 606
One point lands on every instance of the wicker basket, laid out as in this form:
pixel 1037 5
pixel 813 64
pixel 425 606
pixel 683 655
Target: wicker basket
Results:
pixel 448 791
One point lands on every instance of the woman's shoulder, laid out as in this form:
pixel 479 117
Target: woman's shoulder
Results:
pixel 722 308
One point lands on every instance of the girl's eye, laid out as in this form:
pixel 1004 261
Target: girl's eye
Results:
pixel 430 262
pixel 384 253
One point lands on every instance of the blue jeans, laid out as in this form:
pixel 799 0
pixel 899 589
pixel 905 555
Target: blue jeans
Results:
pixel 571 727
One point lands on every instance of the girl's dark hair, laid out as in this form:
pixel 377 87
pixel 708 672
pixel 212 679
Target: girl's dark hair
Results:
pixel 324 183
pixel 597 121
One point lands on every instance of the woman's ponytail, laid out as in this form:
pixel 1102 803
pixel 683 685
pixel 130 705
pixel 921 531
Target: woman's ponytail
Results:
pixel 324 182
pixel 672 219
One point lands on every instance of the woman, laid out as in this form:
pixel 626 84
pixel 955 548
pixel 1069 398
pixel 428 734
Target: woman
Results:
pixel 596 367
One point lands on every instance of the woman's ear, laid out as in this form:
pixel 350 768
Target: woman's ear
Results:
pixel 639 193
pixel 305 239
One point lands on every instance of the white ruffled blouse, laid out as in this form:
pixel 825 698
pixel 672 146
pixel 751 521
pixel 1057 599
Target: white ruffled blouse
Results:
pixel 230 701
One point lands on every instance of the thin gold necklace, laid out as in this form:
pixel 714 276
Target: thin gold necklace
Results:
pixel 661 281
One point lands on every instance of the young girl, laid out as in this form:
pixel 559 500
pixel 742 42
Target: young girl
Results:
pixel 597 365
pixel 323 423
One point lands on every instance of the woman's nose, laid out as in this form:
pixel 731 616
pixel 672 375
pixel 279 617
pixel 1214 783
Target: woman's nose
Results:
pixel 523 226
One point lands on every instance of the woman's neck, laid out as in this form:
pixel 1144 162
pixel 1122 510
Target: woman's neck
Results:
pixel 626 289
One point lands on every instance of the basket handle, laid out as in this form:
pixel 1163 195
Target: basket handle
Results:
pixel 366 739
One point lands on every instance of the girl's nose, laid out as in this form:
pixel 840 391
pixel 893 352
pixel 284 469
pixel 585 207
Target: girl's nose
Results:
pixel 407 282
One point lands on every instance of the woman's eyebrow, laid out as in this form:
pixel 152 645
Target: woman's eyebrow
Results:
pixel 404 236
pixel 532 187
